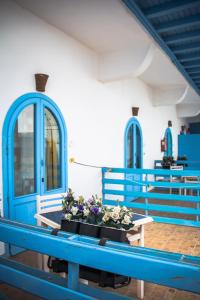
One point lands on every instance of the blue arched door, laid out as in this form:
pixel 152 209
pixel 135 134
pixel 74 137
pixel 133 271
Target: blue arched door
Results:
pixel 169 142
pixel 34 155
pixel 133 153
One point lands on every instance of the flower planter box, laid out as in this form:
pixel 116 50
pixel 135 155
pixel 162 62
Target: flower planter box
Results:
pixel 113 234
pixel 70 226
pixel 89 229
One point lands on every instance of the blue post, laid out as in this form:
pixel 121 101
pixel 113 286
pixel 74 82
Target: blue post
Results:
pixel 73 276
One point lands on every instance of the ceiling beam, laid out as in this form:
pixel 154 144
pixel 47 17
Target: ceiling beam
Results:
pixel 195 77
pixel 169 7
pixel 188 57
pixel 136 11
pixel 185 48
pixel 189 65
pixel 182 37
pixel 194 71
pixel 177 24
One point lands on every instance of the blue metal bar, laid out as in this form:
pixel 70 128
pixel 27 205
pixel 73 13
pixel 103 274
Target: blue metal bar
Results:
pixel 134 8
pixel 182 37
pixel 178 24
pixel 157 269
pixel 186 47
pixel 169 7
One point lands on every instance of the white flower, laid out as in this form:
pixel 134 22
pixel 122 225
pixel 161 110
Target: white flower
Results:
pixel 117 209
pixel 74 210
pixel 86 212
pixel 126 220
pixel 106 217
pixel 125 208
pixel 115 216
pixel 68 217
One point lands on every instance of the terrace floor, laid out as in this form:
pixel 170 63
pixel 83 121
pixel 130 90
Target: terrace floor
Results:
pixel 173 238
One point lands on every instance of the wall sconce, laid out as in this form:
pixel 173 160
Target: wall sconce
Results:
pixel 41 80
pixel 169 123
pixel 135 111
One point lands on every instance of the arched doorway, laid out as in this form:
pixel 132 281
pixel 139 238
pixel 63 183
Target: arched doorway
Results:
pixel 133 149
pixel 34 155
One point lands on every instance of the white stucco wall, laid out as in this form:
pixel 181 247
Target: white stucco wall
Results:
pixel 96 113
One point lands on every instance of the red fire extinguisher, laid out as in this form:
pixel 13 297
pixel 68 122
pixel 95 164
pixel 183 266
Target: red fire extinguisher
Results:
pixel 163 145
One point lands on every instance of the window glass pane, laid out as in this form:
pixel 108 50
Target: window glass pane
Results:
pixel 24 148
pixel 130 148
pixel 52 151
pixel 138 148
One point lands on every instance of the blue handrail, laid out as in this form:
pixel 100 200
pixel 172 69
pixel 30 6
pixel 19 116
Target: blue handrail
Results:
pixel 160 186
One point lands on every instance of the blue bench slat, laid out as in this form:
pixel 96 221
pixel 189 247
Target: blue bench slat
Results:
pixel 175 221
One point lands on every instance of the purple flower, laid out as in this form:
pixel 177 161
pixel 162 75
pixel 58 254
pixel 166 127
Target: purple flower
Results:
pixel 67 210
pixel 95 210
pixel 80 207
pixel 91 201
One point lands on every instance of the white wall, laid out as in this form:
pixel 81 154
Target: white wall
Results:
pixel 96 114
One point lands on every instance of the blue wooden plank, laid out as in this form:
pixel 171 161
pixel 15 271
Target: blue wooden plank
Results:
pixel 152 171
pixel 152 195
pixel 164 271
pixel 101 294
pixel 176 221
pixel 167 184
pixel 47 286
pixel 166 8
pixel 178 24
pixel 185 48
pixel 184 36
pixel 157 207
pixel 73 276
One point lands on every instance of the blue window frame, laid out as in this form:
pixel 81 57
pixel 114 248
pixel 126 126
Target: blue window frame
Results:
pixel 169 142
pixel 31 108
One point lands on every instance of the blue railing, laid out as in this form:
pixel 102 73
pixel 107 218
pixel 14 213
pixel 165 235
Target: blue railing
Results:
pixel 179 188
pixel 160 267
pixel 187 164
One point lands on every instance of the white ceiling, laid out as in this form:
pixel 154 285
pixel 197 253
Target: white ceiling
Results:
pixel 103 25
pixel 107 27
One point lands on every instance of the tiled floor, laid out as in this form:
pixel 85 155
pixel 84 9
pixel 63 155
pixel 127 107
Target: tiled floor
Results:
pixel 160 236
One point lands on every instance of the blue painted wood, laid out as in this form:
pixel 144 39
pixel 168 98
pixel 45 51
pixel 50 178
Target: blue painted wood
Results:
pixel 166 184
pixel 189 145
pixel 166 8
pixel 157 207
pixel 183 37
pixel 153 171
pixel 135 8
pixel 176 221
pixel 39 283
pixel 169 142
pixel 73 276
pixel 157 269
pixel 23 208
pixel 137 153
pixel 152 195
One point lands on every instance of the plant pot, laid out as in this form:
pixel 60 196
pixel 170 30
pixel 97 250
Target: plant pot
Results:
pixel 41 80
pixel 70 226
pixel 89 229
pixel 114 234
pixel 135 111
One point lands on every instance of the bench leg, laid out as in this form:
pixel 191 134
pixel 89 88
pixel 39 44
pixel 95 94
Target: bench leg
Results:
pixel 140 283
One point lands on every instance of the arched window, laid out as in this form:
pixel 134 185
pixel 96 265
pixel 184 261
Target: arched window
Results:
pixel 133 144
pixel 133 154
pixel 34 155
